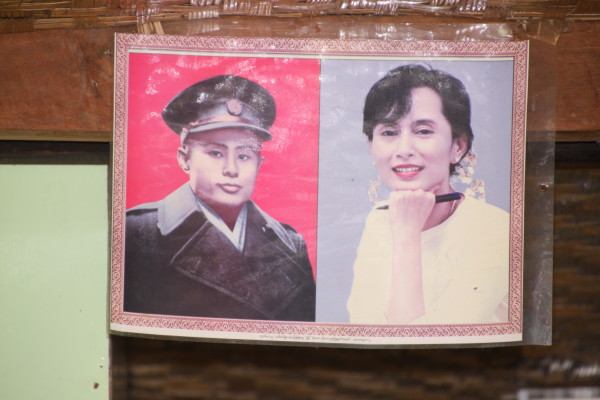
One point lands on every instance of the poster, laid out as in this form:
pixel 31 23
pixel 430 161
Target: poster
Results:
pixel 255 189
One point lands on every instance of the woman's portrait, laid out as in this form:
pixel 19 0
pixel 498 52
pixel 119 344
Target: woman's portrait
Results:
pixel 429 249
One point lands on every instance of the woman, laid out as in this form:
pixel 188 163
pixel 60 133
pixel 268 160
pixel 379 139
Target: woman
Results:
pixel 422 262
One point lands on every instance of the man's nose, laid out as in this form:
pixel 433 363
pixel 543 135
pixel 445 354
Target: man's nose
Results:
pixel 230 166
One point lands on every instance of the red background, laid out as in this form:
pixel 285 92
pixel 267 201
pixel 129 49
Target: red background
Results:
pixel 287 181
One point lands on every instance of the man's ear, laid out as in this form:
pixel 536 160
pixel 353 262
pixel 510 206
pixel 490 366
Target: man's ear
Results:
pixel 183 158
pixel 260 161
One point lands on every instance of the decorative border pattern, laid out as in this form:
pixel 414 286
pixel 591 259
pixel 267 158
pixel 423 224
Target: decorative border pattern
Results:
pixel 319 48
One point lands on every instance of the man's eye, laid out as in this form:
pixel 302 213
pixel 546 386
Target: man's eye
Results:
pixel 388 132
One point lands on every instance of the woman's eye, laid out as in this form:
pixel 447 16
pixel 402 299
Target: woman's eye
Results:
pixel 244 157
pixel 388 132
pixel 215 153
pixel 424 132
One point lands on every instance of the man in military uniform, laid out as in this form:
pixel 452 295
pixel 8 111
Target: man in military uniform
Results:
pixel 207 250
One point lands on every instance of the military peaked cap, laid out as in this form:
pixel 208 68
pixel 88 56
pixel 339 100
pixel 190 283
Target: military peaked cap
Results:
pixel 224 101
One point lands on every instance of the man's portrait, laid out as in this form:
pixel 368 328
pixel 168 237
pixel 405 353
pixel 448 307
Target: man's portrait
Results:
pixel 207 248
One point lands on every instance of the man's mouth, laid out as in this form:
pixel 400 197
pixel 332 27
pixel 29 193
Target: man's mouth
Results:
pixel 230 188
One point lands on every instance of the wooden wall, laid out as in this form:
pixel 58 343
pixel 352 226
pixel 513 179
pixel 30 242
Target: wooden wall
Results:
pixel 57 85
pixel 160 369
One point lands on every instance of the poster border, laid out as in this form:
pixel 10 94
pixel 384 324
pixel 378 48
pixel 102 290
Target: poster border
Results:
pixel 319 332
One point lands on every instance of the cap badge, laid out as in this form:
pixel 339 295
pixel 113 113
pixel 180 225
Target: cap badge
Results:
pixel 234 107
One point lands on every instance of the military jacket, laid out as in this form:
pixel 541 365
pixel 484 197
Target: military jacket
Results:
pixel 178 263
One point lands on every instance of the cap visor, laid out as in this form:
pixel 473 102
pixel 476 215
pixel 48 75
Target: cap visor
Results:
pixel 262 133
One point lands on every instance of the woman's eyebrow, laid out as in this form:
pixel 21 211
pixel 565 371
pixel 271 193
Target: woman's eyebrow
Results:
pixel 388 122
pixel 424 121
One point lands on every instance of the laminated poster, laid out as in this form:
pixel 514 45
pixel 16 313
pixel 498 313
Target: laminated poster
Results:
pixel 329 192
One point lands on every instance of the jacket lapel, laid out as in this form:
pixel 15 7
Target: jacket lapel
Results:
pixel 264 277
pixel 279 274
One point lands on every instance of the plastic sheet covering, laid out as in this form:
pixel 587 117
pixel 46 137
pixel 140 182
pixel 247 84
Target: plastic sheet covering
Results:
pixel 17 16
pixel 539 176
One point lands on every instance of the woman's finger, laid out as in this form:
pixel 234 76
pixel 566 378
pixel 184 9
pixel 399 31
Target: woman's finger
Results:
pixel 409 210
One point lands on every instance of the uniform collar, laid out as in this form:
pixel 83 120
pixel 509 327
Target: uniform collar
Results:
pixel 175 208
pixel 179 205
pixel 238 234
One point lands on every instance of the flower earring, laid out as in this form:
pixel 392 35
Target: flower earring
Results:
pixel 465 170
pixel 374 185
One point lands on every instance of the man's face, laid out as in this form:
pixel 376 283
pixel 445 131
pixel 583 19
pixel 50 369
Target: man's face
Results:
pixel 222 165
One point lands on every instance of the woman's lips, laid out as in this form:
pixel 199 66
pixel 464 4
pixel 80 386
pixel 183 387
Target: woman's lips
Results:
pixel 406 171
pixel 230 188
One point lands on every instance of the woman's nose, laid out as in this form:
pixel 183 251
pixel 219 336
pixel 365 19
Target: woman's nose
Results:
pixel 404 145
pixel 230 167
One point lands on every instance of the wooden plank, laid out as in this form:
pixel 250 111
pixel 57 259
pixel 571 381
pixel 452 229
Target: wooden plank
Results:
pixel 578 79
pixel 581 136
pixel 161 369
pixel 58 84
pixel 57 135
pixel 55 152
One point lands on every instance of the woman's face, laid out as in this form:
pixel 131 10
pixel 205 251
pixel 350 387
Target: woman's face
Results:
pixel 415 151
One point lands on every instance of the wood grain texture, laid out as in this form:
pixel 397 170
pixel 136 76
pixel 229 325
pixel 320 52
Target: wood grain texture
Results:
pixel 19 16
pixel 47 92
pixel 58 84
pixel 578 80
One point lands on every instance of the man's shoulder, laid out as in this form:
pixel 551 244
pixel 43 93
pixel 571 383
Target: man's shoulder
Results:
pixel 286 233
pixel 143 208
pixel 141 217
pixel 291 232
pixel 168 212
pixel 260 216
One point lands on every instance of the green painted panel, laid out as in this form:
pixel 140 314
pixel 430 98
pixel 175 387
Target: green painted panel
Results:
pixel 53 282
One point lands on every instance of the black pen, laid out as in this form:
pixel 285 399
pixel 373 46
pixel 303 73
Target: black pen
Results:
pixel 442 198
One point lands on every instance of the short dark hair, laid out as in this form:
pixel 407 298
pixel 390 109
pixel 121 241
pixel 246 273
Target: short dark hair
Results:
pixel 390 98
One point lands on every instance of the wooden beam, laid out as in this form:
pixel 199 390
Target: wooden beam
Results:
pixel 57 135
pixel 578 79
pixel 58 84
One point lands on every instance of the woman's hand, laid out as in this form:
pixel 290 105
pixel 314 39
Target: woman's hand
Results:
pixel 409 211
